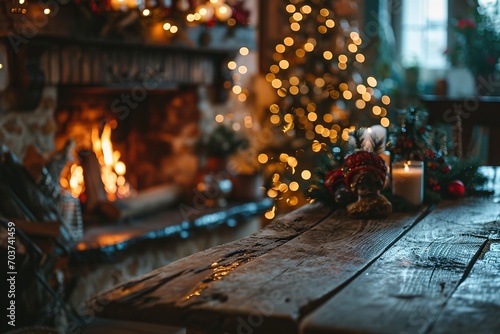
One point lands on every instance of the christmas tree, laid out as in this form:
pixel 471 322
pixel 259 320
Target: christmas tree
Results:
pixel 324 91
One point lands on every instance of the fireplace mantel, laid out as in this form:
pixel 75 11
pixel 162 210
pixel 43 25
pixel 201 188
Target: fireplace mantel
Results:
pixel 69 62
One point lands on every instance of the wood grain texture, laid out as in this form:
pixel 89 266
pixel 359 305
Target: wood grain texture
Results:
pixel 262 283
pixel 134 299
pixel 475 305
pixel 405 290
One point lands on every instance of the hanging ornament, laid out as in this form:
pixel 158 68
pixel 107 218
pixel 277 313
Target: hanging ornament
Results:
pixel 456 188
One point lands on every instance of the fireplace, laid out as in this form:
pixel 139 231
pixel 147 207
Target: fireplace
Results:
pixel 151 143
pixel 131 109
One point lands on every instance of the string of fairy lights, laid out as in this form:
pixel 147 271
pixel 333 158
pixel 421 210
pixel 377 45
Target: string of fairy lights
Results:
pixel 238 89
pixel 320 92
pixel 205 12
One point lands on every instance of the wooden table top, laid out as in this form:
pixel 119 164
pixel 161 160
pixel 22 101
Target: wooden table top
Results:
pixel 318 271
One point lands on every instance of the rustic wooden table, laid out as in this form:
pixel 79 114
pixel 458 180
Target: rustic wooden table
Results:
pixel 318 271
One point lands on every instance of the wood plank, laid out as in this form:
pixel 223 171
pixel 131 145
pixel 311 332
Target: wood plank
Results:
pixel 408 286
pixel 266 292
pixel 130 300
pixel 475 305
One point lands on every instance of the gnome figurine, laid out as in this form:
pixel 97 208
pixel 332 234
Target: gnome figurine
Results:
pixel 365 175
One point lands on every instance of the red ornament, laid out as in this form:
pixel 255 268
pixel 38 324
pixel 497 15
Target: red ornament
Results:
pixel 456 188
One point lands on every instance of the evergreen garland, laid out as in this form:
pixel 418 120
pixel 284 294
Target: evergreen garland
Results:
pixel 413 139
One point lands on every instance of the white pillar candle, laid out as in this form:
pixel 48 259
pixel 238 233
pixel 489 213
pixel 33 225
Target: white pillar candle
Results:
pixel 408 180
pixel 386 156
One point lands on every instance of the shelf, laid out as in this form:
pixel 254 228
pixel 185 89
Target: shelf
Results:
pixel 68 62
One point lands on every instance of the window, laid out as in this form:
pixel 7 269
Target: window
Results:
pixel 424 33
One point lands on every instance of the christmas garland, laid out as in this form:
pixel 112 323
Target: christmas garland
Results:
pixel 445 176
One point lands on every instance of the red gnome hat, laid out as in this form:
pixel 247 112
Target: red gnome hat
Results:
pixel 361 161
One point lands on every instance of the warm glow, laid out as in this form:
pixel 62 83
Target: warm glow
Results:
pixel 360 104
pixel 270 214
pixel 107 147
pixel 360 58
pixel 306 9
pixel 372 81
pixel 312 117
pixel 361 89
pixel 292 162
pixel 244 51
pixel 74 181
pixel 352 47
pixel 294 186
pixel 297 16
pixel 112 169
pixel 275 119
pixel 288 41
pixel 300 53
pixel 309 47
pixel 294 81
pixel 276 83
pixel 294 90
pixel 385 122
pixel 263 158
pixel 284 157
pixel 236 89
pixel 284 64
pixel 219 118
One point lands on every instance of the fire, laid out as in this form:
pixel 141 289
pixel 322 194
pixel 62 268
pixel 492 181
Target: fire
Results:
pixel 74 180
pixel 112 169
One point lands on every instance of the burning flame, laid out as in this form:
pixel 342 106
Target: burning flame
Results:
pixel 112 169
pixel 74 180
